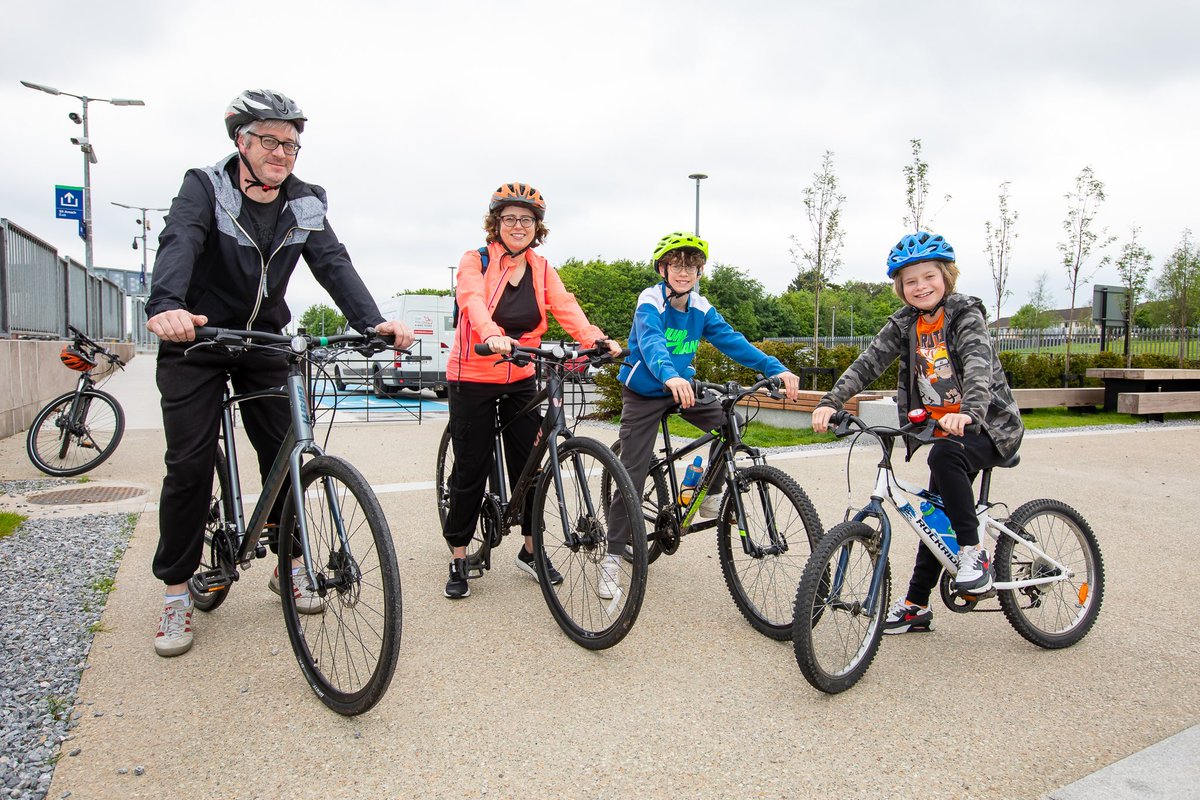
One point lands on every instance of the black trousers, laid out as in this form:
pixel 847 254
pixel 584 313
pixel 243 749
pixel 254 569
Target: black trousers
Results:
pixel 191 390
pixel 953 464
pixel 473 408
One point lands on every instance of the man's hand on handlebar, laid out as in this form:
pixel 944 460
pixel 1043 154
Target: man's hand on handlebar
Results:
pixel 681 390
pixel 176 325
pixel 820 418
pixel 401 333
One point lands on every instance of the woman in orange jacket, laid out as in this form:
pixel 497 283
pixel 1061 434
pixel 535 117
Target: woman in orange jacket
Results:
pixel 501 304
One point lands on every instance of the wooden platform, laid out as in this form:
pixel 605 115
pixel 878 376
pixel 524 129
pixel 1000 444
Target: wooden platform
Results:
pixel 1157 403
pixel 807 401
pixel 1052 398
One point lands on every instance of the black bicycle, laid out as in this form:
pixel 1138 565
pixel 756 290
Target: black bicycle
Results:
pixel 346 635
pixel 570 512
pixel 79 430
pixel 766 526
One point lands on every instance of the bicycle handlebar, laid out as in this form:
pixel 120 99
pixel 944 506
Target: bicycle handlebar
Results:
pixel 714 391
pixel 370 340
pixel 521 354
pixel 921 431
pixel 82 338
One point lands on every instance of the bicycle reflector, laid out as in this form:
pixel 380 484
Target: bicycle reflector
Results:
pixel 76 360
pixel 918 415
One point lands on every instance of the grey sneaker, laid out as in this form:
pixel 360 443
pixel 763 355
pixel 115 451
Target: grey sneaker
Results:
pixel 174 637
pixel 609 586
pixel 307 600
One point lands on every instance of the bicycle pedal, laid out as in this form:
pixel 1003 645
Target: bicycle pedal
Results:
pixel 475 571
pixel 213 580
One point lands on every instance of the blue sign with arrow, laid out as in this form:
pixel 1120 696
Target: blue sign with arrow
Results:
pixel 68 202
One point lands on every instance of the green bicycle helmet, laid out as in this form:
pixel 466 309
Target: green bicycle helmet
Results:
pixel 675 241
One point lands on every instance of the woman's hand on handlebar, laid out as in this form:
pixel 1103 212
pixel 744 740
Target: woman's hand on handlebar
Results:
pixel 820 418
pixel 500 345
pixel 681 390
pixel 401 334
pixel 614 347
pixel 176 325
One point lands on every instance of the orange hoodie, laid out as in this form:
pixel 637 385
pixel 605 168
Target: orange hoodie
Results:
pixel 478 294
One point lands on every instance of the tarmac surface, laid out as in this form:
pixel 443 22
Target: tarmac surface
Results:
pixel 490 699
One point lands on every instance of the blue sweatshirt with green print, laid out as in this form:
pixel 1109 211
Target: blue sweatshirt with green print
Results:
pixel 663 342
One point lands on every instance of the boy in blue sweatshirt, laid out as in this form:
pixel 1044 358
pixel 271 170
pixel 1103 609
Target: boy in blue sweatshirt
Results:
pixel 670 320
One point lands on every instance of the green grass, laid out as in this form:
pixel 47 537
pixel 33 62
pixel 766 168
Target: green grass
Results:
pixel 98 627
pixel 104 585
pixel 9 522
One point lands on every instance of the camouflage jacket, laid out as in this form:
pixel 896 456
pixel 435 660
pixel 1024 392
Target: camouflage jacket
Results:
pixel 986 396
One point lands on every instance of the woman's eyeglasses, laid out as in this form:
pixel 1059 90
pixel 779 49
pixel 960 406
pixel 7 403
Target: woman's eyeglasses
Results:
pixel 512 222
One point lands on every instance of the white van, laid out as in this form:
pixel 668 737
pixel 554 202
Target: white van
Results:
pixel 432 320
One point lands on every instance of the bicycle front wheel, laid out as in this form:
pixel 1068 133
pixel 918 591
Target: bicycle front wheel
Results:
pixel 345 629
pixel 69 438
pixel 595 609
pixel 1059 614
pixel 836 631
pixel 763 563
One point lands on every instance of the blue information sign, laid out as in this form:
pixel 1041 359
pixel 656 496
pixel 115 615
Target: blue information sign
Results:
pixel 68 202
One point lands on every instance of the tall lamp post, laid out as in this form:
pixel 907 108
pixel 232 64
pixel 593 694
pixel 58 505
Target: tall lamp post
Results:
pixel 145 223
pixel 89 154
pixel 697 177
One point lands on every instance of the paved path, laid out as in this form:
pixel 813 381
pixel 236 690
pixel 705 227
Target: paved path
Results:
pixel 490 699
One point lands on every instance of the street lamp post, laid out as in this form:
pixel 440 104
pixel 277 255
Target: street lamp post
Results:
pixel 833 326
pixel 89 154
pixel 145 223
pixel 697 177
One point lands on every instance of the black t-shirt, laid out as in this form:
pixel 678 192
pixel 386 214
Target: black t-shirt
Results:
pixel 518 312
pixel 264 217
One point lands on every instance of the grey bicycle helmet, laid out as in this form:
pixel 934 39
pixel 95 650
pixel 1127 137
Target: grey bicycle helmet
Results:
pixel 262 104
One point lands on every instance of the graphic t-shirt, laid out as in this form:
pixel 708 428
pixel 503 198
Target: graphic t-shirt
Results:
pixel 936 383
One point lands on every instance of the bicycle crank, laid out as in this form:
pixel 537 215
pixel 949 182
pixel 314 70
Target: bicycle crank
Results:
pixel 667 531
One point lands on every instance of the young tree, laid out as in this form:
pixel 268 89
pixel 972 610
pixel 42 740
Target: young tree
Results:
pixel 1177 285
pixel 1133 265
pixel 823 206
pixel 1038 316
pixel 1082 240
pixel 916 180
pixel 321 320
pixel 999 247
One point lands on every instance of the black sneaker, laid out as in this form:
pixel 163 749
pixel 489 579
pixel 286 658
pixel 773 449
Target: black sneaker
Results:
pixel 908 618
pixel 974 571
pixel 457 587
pixel 526 563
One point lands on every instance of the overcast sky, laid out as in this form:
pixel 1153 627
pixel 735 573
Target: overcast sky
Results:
pixel 417 111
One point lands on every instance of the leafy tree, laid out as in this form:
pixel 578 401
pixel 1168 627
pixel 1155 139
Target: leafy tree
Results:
pixel 1036 314
pixel 916 180
pixel 1133 265
pixel 1082 240
pixel 1178 284
pixel 999 247
pixel 321 320
pixel 607 292
pixel 429 292
pixel 737 297
pixel 823 207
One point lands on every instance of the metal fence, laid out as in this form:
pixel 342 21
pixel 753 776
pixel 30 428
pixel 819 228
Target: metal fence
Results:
pixel 1164 341
pixel 42 292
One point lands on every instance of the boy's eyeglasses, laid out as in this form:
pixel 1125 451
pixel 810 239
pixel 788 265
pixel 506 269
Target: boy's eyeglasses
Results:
pixel 512 222
pixel 270 143
pixel 683 262
pixel 683 269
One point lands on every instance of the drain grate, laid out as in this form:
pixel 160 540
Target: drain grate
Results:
pixel 79 495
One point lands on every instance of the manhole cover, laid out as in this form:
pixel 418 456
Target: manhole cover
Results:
pixel 78 495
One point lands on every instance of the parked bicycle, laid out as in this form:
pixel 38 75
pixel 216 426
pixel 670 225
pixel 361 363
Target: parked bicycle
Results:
pixel 766 526
pixel 1049 571
pixel 347 648
pixel 79 430
pixel 570 522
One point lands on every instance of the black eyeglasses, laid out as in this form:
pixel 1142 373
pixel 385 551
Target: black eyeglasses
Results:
pixel 270 143
pixel 511 221
pixel 684 261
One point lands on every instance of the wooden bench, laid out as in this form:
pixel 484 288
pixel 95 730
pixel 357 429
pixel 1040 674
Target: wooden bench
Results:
pixel 1143 381
pixel 1052 398
pixel 1155 404
pixel 807 401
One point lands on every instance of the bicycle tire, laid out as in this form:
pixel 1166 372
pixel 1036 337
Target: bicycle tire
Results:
pixel 347 650
pixel 591 621
pixel 834 636
pixel 489 522
pixel 220 545
pixel 62 449
pixel 655 495
pixel 1052 615
pixel 764 587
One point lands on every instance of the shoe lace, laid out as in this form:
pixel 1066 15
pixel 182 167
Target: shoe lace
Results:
pixel 174 620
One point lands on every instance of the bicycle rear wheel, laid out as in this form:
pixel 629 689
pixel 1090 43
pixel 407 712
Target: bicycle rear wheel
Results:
pixel 220 542
pixel 69 439
pixel 782 527
pixel 1051 615
pixel 348 648
pixel 835 634
pixel 578 546
pixel 655 495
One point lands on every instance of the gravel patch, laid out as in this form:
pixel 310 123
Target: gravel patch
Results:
pixel 54 581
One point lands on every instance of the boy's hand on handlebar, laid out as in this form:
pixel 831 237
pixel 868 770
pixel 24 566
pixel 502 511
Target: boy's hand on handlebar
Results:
pixel 176 325
pixel 401 334
pixel 820 418
pixel 681 390
pixel 791 385
pixel 955 424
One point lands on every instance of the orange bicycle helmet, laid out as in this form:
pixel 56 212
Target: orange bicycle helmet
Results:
pixel 521 194
pixel 76 359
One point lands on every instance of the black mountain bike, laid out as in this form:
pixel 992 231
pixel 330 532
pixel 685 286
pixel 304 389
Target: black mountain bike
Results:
pixel 79 430
pixel 347 649
pixel 570 512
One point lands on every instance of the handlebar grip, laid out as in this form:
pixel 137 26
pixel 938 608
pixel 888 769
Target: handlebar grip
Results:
pixel 483 350
pixel 207 332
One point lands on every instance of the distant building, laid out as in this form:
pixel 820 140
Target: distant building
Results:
pixel 128 279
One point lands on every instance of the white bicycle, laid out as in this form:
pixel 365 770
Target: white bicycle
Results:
pixel 1049 572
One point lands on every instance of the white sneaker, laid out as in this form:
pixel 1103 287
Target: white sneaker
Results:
pixel 710 506
pixel 174 637
pixel 974 571
pixel 307 600
pixel 610 575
